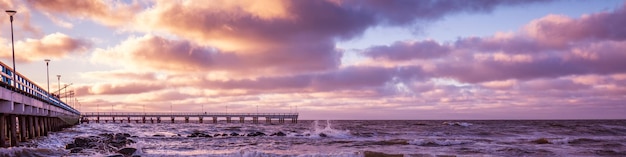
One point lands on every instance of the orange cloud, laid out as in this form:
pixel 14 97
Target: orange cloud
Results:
pixel 111 14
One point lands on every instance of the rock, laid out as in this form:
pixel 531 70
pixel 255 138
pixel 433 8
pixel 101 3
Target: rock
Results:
pixel 280 133
pixel 254 134
pixel 80 141
pixel 76 150
pixel 117 143
pixel 127 151
pixel 116 155
pixel 70 146
pixel 158 135
pixel 323 135
pixel 541 141
pixel 234 134
pixel 216 135
pixel 224 134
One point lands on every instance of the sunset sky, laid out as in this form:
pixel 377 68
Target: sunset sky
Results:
pixel 330 59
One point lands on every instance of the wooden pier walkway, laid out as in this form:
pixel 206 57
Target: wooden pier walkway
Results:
pixel 158 117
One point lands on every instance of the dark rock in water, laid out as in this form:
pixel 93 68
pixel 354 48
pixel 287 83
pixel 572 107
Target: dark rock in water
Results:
pixel 199 134
pixel 541 141
pixel 117 143
pixel 280 133
pixel 323 135
pixel 216 135
pixel 116 155
pixel 379 154
pixel 234 134
pixel 80 142
pixel 178 135
pixel 76 150
pixel 158 135
pixel 136 155
pixel 127 151
pixel 70 146
pixel 224 134
pixel 254 134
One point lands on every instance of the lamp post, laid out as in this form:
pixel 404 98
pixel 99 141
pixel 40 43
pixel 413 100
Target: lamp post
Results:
pixel 59 79
pixel 47 73
pixel 11 13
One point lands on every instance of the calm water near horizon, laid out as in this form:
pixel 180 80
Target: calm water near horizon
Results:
pixel 350 138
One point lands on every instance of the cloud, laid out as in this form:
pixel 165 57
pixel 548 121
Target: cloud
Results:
pixel 577 48
pixel 158 53
pixel 559 30
pixel 119 88
pixel 56 45
pixel 111 13
pixel 402 51
pixel 408 12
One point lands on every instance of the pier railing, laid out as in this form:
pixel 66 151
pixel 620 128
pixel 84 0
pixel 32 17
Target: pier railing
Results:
pixel 148 116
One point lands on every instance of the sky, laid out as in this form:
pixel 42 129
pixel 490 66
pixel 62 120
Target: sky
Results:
pixel 329 59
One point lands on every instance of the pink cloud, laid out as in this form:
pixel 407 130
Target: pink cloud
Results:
pixel 56 45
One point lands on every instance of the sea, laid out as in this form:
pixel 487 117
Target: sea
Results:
pixel 311 138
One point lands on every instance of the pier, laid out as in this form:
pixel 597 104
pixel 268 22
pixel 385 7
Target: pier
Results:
pixel 159 117
pixel 27 111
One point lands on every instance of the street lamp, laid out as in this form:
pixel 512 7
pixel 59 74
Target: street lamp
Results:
pixel 47 74
pixel 59 79
pixel 11 13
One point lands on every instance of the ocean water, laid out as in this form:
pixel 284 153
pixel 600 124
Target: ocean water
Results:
pixel 351 138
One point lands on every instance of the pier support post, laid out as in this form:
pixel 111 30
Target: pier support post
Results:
pixel 13 126
pixel 36 126
pixel 3 130
pixel 214 120
pixel 98 119
pixel 143 119
pixel 186 119
pixel 31 127
pixel 44 126
pixel 172 120
pixel 128 119
pixel 227 119
pixel 200 119
pixel 22 121
pixel 241 119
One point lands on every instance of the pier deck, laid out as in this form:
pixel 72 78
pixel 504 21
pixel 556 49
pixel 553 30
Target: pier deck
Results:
pixel 144 117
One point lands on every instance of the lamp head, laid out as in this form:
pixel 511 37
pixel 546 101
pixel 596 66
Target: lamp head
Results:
pixel 11 12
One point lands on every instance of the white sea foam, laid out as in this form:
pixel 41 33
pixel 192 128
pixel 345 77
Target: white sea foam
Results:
pixel 318 131
pixel 464 124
